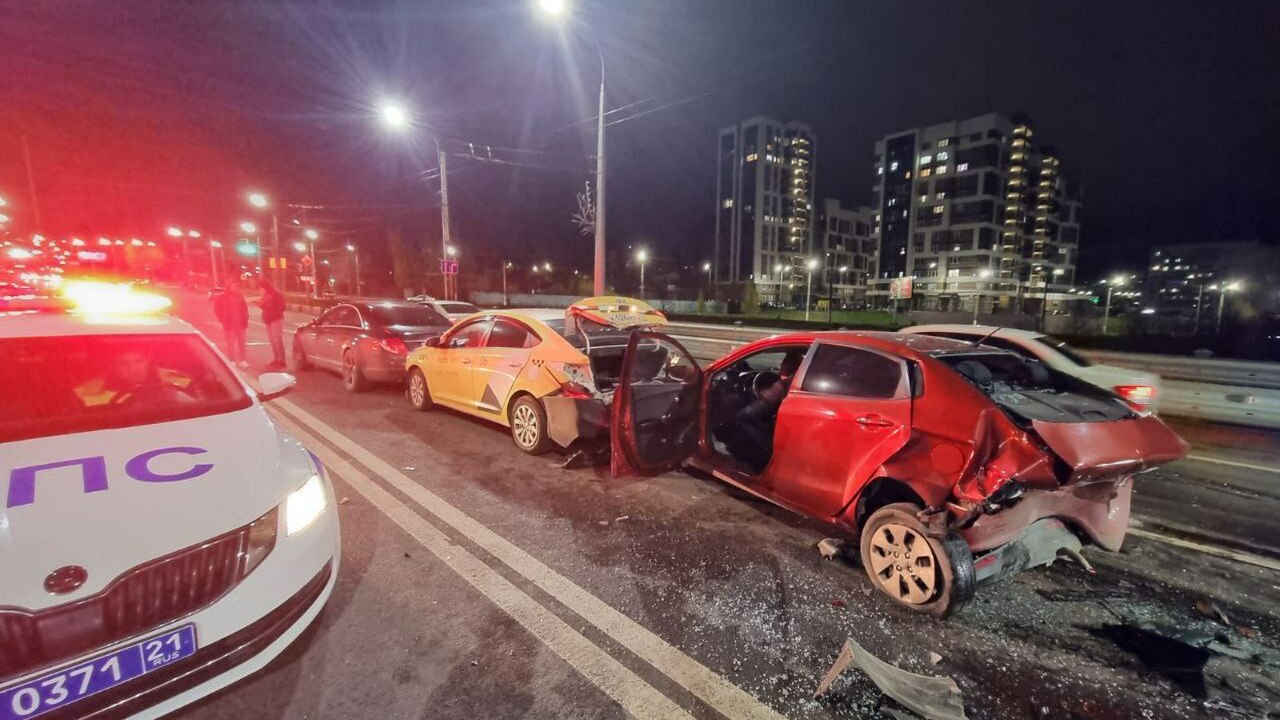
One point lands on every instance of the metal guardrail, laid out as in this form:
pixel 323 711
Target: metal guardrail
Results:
pixel 1226 391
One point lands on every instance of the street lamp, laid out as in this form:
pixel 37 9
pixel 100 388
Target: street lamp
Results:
pixel 300 246
pixel 397 118
pixel 642 255
pixel 505 267
pixel 706 268
pixel 1232 286
pixel 983 274
pixel 559 10
pixel 260 201
pixel 1115 282
pixel 355 255
pixel 810 265
pixel 215 248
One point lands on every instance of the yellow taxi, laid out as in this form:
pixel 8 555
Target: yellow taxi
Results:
pixel 546 374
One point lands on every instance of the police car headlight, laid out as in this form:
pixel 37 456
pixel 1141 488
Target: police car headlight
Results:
pixel 304 505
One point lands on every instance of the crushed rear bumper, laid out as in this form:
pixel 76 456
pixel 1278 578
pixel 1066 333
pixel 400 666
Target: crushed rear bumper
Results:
pixel 572 419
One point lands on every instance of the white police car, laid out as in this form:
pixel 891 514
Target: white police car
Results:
pixel 160 536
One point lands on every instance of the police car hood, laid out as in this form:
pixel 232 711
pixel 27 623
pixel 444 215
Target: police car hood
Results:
pixel 110 500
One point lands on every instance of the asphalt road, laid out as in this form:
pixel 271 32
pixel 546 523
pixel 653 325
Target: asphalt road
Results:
pixel 477 581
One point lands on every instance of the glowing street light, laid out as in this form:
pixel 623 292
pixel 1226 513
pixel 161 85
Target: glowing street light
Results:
pixel 258 200
pixel 193 233
pixel 1115 282
pixel 558 11
pixel 356 256
pixel 300 246
pixel 983 274
pixel 810 265
pixel 311 234
pixel 248 227
pixel 174 232
pixel 1233 286
pixel 394 115
pixel 642 256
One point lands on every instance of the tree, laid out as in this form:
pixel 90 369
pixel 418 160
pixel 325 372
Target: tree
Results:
pixel 750 299
pixel 702 302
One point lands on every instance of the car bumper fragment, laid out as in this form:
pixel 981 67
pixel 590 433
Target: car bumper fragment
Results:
pixel 572 419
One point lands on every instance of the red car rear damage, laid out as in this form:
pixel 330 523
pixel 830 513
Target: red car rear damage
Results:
pixel 953 464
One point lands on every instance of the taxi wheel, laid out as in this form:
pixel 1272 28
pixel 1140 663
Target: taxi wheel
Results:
pixel 353 378
pixel 419 393
pixel 919 572
pixel 529 426
pixel 300 361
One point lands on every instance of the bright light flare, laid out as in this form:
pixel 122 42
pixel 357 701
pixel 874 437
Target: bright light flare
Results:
pixel 811 264
pixel 102 298
pixel 248 227
pixel 311 234
pixel 194 234
pixel 18 253
pixel 394 115
pixel 258 200
pixel 174 232
pixel 300 246
pixel 553 9
pixel 642 255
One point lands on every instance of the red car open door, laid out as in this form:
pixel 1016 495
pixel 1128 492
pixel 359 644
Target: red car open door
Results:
pixel 655 405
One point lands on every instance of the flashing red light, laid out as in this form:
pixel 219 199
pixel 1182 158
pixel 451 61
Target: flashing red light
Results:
pixel 1138 396
pixel 102 298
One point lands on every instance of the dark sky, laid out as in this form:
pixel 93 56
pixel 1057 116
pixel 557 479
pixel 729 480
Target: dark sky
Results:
pixel 149 113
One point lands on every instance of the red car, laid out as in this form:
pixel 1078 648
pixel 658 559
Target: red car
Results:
pixel 953 464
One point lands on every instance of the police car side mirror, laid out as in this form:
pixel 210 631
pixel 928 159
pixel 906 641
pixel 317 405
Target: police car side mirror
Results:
pixel 273 385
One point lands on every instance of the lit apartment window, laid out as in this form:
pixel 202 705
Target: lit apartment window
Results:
pixel 926 159
pixel 752 157
pixel 924 198
pixel 893 201
pixel 941 196
pixel 926 172
pixel 937 210
pixel 893 166
pixel 907 175
pixel 879 170
pixel 944 142
pixel 942 170
pixel 728 203
pixel 943 156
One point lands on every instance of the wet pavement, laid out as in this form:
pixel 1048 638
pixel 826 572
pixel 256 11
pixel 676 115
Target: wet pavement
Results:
pixel 480 582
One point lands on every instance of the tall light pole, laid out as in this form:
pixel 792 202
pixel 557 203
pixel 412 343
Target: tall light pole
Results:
pixel 1044 303
pixel 642 256
pixel 311 236
pixel 983 274
pixel 809 265
pixel 249 228
pixel 214 248
pixel 356 256
pixel 397 118
pixel 260 201
pixel 559 10
pixel 706 268
pixel 1114 283
pixel 505 267
pixel 1222 299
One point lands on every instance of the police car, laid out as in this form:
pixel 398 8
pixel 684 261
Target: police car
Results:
pixel 160 536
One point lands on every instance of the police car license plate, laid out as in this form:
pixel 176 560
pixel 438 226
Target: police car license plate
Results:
pixel 36 697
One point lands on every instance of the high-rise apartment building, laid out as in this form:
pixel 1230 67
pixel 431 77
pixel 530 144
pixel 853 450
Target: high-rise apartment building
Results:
pixel 975 210
pixel 764 206
pixel 846 250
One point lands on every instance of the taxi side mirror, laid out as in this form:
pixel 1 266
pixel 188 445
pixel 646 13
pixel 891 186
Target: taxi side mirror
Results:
pixel 273 385
pixel 433 341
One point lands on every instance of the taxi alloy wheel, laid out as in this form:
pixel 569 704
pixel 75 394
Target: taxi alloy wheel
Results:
pixel 529 426
pixel 353 378
pixel 927 574
pixel 419 393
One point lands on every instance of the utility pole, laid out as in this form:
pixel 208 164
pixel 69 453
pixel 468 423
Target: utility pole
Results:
pixel 445 236
pixel 505 265
pixel 598 279
pixel 275 248
pixel 1106 311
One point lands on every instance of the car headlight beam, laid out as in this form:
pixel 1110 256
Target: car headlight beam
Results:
pixel 304 505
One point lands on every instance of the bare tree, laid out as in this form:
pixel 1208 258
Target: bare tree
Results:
pixel 585 218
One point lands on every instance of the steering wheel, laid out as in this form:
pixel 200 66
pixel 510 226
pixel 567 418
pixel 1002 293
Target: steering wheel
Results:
pixel 763 381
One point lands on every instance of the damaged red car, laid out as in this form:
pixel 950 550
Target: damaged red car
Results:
pixel 952 464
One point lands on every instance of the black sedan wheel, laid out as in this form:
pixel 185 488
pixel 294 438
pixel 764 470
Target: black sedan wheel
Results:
pixel 353 378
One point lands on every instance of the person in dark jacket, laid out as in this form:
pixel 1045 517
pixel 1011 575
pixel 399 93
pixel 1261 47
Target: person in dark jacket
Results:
pixel 272 306
pixel 232 312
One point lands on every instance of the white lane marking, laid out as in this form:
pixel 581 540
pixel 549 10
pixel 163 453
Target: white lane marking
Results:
pixel 727 698
pixel 1227 553
pixel 629 690
pixel 1233 463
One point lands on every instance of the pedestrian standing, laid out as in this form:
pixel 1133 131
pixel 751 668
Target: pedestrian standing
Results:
pixel 232 311
pixel 272 305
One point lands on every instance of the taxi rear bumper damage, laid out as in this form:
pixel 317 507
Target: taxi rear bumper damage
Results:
pixel 578 420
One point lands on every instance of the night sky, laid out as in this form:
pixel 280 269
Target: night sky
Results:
pixel 145 114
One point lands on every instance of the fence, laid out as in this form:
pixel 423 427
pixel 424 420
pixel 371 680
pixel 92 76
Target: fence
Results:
pixel 494 299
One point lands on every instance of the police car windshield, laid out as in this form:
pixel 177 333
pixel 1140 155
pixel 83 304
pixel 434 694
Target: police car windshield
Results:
pixel 69 384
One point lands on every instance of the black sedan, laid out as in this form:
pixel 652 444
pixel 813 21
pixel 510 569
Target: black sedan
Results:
pixel 367 341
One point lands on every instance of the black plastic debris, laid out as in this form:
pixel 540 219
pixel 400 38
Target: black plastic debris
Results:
pixel 1181 662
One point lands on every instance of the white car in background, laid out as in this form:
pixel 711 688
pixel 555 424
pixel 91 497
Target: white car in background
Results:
pixel 455 310
pixel 160 536
pixel 1140 389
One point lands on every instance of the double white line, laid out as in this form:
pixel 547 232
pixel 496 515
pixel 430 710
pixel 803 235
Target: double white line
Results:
pixel 636 695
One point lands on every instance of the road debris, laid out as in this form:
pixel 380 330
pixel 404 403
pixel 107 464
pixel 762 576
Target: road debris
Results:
pixel 344 501
pixel 934 658
pixel 837 602
pixel 1086 594
pixel 1210 609
pixel 830 547
pixel 1180 661
pixel 620 518
pixel 933 698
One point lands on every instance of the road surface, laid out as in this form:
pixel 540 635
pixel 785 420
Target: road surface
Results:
pixel 479 582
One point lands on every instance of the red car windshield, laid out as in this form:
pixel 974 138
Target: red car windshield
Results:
pixel 69 384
